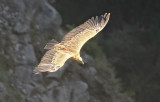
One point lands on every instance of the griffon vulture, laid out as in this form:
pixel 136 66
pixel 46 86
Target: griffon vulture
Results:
pixel 71 44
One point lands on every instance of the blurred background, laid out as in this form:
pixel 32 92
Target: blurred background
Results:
pixel 122 63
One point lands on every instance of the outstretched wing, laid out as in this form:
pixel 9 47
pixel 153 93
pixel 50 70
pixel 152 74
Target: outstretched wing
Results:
pixel 77 37
pixel 52 61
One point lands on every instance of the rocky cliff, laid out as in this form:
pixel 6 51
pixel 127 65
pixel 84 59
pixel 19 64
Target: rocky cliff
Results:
pixel 25 27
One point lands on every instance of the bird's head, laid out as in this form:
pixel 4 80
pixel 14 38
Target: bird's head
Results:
pixel 80 60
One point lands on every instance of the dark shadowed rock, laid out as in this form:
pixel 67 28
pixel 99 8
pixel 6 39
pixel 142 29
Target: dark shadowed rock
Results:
pixel 58 74
pixel 3 90
pixel 47 17
pixel 74 91
pixel 20 28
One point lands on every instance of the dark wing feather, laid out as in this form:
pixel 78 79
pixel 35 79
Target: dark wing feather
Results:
pixel 76 38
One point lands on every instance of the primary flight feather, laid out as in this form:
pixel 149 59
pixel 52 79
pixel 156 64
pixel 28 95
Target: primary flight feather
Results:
pixel 71 44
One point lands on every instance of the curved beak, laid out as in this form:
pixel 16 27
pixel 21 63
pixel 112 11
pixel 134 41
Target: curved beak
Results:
pixel 82 62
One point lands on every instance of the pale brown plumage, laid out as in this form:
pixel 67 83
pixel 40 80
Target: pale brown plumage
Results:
pixel 71 44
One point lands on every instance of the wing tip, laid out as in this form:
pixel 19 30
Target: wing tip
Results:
pixel 99 21
pixel 107 16
pixel 45 68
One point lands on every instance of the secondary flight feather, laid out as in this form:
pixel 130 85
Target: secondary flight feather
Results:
pixel 71 44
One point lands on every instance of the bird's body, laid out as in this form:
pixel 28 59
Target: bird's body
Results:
pixel 70 45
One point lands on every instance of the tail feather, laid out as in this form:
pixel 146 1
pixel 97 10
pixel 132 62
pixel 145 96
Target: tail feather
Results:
pixel 51 44
pixel 35 71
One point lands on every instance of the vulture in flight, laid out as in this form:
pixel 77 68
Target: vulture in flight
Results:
pixel 71 44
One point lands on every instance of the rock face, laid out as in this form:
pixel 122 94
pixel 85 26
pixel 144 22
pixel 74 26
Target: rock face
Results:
pixel 25 26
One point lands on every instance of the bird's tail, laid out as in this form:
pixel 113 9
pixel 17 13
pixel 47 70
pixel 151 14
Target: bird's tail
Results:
pixel 51 44
pixel 35 71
